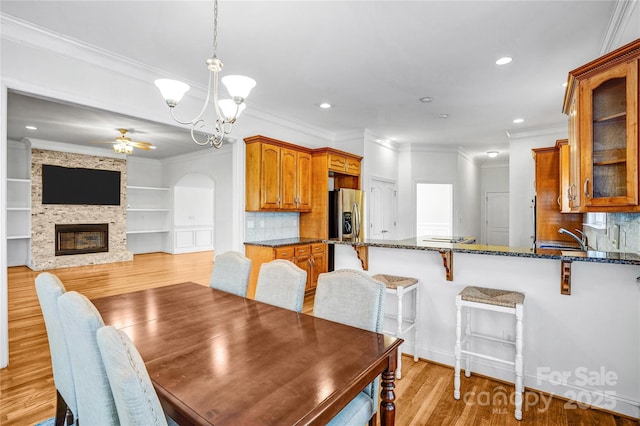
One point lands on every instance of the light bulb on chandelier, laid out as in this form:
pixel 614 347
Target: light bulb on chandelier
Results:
pixel 227 111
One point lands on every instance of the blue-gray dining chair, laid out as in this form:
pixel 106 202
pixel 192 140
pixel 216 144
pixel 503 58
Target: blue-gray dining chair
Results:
pixel 281 283
pixel 49 288
pixel 135 398
pixel 231 273
pixel 353 298
pixel 81 320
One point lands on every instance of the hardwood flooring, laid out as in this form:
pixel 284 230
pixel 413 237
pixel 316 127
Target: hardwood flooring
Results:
pixel 424 395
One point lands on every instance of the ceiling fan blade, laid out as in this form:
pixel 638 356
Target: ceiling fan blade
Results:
pixel 142 145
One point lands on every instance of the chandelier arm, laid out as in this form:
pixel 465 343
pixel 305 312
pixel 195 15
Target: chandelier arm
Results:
pixel 193 136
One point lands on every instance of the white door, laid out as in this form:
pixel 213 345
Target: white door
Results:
pixel 497 222
pixel 382 196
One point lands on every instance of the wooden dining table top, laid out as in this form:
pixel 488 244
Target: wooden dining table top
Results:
pixel 220 359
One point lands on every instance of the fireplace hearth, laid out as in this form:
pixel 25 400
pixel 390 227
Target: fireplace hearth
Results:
pixel 82 239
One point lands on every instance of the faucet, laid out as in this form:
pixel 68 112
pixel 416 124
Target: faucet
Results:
pixel 582 241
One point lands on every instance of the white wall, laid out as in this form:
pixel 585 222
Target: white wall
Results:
pixel 521 182
pixel 467 196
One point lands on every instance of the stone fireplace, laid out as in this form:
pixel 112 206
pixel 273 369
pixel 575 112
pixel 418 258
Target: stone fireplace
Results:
pixel 51 245
pixel 82 239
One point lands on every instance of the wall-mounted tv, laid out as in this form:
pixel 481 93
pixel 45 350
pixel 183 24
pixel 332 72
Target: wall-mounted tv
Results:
pixel 70 185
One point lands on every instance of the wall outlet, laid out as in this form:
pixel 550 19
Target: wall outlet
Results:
pixel 615 236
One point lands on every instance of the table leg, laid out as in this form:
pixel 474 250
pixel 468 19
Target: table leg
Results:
pixel 387 396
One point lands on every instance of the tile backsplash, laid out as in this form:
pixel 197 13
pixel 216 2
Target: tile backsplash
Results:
pixel 620 234
pixel 259 226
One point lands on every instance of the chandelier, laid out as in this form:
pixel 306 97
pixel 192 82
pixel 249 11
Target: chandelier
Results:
pixel 226 110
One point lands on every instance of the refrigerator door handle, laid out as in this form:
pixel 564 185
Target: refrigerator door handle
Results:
pixel 356 219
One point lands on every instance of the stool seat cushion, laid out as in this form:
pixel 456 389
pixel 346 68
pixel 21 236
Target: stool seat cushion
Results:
pixel 393 281
pixel 492 296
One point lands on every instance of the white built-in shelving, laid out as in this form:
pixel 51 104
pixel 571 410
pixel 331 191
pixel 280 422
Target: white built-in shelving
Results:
pixel 18 208
pixel 147 218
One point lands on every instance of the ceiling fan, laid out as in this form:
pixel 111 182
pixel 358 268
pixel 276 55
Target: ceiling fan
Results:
pixel 124 144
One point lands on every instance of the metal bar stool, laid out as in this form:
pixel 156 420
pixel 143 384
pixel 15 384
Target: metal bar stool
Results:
pixel 510 302
pixel 400 286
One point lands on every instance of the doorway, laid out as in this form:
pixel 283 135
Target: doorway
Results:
pixel 434 209
pixel 383 209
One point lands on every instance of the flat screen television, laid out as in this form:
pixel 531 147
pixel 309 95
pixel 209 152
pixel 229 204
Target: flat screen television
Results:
pixel 70 185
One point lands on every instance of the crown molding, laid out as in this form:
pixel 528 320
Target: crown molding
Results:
pixel 536 132
pixel 620 18
pixel 72 148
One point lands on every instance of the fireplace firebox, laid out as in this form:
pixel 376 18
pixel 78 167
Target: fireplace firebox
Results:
pixel 82 238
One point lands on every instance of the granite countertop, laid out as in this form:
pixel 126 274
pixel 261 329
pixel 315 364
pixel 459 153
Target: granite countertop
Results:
pixel 419 243
pixel 284 242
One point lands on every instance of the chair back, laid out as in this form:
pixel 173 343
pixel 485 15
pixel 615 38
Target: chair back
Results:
pixel 353 298
pixel 281 283
pixel 49 288
pixel 81 320
pixel 135 398
pixel 231 273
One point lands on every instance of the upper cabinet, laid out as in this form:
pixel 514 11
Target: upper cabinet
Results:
pixel 602 104
pixel 278 176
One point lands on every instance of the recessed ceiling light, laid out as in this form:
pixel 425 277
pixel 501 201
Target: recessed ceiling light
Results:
pixel 518 120
pixel 426 99
pixel 492 153
pixel 443 116
pixel 565 84
pixel 503 61
pixel 325 105
pixel 31 127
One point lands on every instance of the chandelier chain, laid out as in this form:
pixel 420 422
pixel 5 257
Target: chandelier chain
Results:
pixel 215 28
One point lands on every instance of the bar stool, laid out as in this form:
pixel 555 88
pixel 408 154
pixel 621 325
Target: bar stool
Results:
pixel 510 302
pixel 400 286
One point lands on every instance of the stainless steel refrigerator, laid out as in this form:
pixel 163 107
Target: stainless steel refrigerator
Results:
pixel 347 217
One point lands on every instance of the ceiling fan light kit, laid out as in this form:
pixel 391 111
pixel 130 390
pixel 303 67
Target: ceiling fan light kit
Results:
pixel 226 110
pixel 124 144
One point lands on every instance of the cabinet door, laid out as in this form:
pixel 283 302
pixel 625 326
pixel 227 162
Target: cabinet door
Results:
pixel 563 198
pixel 609 111
pixel 270 177
pixel 288 173
pixel 304 182
pixel 337 163
pixel 318 264
pixel 352 166
pixel 303 260
pixel 574 194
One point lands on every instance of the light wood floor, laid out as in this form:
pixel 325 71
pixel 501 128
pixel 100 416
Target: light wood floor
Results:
pixel 424 395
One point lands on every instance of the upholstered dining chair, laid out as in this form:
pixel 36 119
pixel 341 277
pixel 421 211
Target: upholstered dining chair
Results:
pixel 135 398
pixel 353 298
pixel 49 288
pixel 281 283
pixel 231 273
pixel 81 320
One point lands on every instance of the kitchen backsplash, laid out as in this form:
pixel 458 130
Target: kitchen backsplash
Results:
pixel 620 234
pixel 270 226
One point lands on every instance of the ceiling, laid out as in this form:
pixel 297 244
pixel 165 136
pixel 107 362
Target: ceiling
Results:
pixel 372 60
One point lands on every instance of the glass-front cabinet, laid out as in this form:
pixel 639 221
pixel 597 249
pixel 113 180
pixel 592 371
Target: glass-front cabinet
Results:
pixel 602 104
pixel 610 137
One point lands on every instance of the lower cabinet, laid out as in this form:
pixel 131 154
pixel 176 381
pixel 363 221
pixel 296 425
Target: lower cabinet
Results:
pixel 311 258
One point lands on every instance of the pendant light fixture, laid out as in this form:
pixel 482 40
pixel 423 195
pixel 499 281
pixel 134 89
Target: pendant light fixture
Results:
pixel 226 110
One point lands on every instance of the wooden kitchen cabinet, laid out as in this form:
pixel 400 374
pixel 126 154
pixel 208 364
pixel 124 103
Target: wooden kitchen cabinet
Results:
pixel 278 176
pixel 311 258
pixel 549 217
pixel 563 175
pixel 328 163
pixel 602 103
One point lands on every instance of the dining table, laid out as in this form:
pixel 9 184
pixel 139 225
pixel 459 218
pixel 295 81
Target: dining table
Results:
pixel 216 358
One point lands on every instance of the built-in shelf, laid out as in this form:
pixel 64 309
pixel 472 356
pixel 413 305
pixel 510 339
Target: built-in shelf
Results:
pixel 18 209
pixel 18 237
pixel 19 180
pixel 148 188
pixel 147 231
pixel 147 210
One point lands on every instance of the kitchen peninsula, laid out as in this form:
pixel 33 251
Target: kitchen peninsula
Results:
pixel 595 329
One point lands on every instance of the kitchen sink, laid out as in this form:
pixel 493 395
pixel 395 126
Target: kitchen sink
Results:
pixel 559 247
